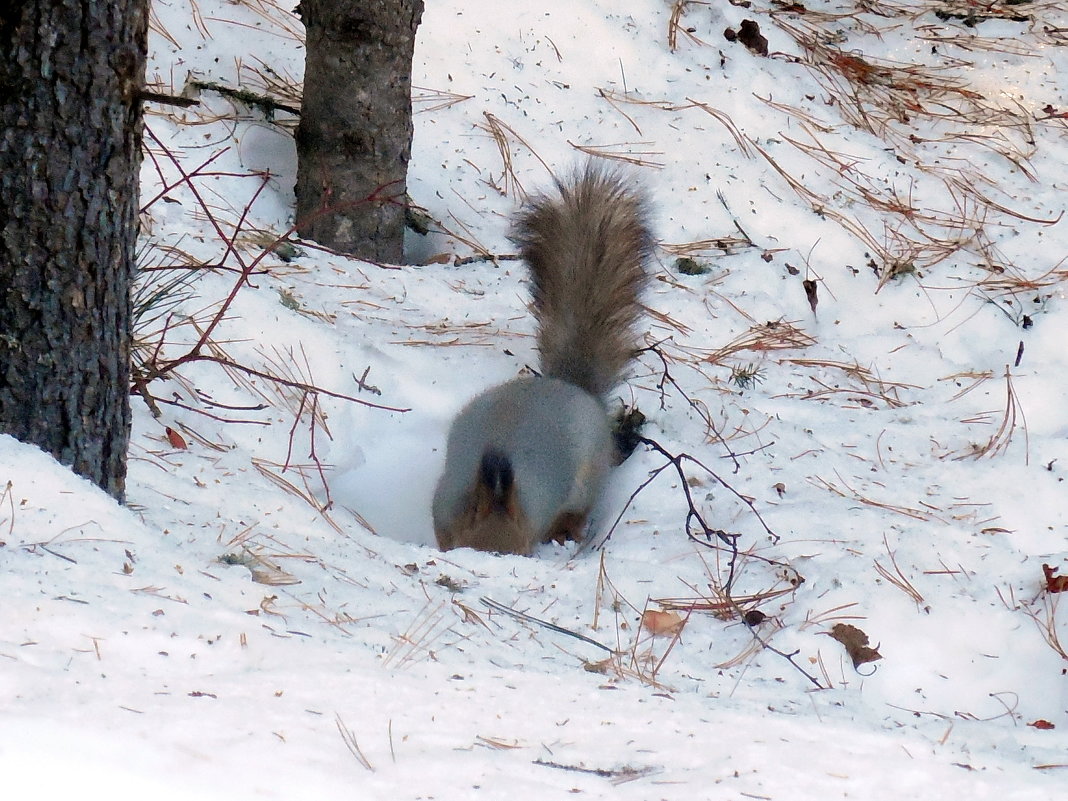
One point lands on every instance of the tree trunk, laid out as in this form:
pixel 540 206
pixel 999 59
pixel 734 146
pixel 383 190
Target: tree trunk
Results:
pixel 70 148
pixel 355 131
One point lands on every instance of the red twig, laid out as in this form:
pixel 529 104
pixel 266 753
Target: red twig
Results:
pixel 315 458
pixel 293 430
pixel 184 179
pixel 285 382
pixel 247 269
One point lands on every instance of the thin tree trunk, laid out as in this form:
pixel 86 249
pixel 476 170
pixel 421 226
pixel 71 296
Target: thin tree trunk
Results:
pixel 70 116
pixel 355 130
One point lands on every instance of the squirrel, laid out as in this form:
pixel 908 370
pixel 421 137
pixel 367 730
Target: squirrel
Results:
pixel 525 461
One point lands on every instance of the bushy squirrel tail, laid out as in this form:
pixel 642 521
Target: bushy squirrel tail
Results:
pixel 587 246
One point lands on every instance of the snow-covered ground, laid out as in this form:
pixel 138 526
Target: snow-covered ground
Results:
pixel 892 459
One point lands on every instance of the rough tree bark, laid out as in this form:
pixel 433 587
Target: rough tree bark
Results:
pixel 70 115
pixel 355 131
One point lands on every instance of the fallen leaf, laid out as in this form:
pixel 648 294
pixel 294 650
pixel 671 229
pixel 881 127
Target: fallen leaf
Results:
pixel 176 439
pixel 662 623
pixel 810 293
pixel 1044 725
pixel 754 617
pixel 856 644
pixel 1054 583
pixel 749 34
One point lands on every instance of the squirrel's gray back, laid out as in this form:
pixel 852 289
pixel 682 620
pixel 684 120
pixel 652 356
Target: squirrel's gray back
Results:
pixel 556 436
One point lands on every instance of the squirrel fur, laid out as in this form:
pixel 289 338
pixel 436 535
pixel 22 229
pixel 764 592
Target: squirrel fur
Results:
pixel 525 461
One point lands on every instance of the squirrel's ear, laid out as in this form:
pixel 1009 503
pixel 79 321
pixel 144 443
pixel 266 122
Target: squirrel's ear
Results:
pixel 495 492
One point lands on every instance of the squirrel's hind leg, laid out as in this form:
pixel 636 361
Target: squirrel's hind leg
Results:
pixel 567 526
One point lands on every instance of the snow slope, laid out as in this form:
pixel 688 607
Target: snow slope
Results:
pixel 226 636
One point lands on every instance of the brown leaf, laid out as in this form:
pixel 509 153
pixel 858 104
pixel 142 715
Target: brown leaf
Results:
pixel 1044 725
pixel 754 617
pixel 176 439
pixel 598 667
pixel 1054 583
pixel 810 293
pixel 662 623
pixel 856 644
pixel 749 34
